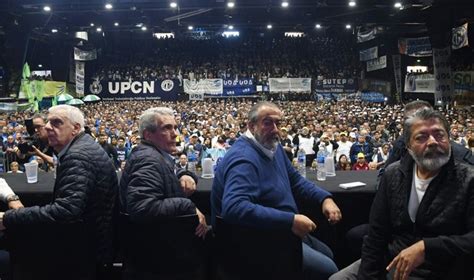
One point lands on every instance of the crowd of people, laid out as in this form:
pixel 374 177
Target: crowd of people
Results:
pixel 246 58
pixel 358 135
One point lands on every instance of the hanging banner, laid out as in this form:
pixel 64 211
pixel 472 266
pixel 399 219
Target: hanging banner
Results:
pixel 464 88
pixel 460 38
pixel 376 64
pixel 196 96
pixel 296 85
pixel 53 88
pixel 397 73
pixel 415 46
pixel 206 86
pixel 372 97
pixel 419 83
pixel 82 55
pixel 80 73
pixel 166 90
pixel 340 85
pixel 238 87
pixel 369 54
pixel 364 36
pixel 372 85
pixel 442 72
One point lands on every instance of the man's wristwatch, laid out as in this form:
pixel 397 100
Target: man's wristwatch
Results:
pixel 13 197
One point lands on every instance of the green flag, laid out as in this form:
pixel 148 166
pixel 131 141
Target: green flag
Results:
pixel 26 71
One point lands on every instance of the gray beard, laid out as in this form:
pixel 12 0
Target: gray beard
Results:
pixel 430 164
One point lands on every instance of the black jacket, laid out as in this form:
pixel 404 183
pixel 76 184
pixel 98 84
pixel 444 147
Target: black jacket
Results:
pixel 149 187
pixel 84 194
pixel 445 221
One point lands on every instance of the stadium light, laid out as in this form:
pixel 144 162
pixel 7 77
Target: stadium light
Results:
pixel 190 27
pixel 269 26
pixel 348 26
pixel 352 3
pixel 108 6
pixel 116 24
pixel 40 65
pixel 231 27
pixel 99 29
pixel 398 5
pixel 54 30
pixel 143 28
pixel 230 4
pixel 47 8
pixel 285 4
pixel 318 26
pixel 173 5
pixel 92 24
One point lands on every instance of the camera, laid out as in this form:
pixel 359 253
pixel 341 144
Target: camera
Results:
pixel 30 141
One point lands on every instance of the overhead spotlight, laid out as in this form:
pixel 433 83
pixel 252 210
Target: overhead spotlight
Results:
pixel 190 27
pixel 352 3
pixel 269 26
pixel 54 30
pixel 318 26
pixel 398 5
pixel 98 29
pixel 418 60
pixel 285 4
pixel 116 24
pixel 92 24
pixel 231 27
pixel 40 65
pixel 348 26
pixel 47 8
pixel 230 4
pixel 108 6
pixel 173 4
pixel 143 28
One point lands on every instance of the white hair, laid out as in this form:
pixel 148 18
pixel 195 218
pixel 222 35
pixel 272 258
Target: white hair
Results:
pixel 70 112
pixel 148 119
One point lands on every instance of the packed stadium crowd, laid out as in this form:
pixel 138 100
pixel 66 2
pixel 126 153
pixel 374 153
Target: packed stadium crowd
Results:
pixel 255 58
pixel 347 128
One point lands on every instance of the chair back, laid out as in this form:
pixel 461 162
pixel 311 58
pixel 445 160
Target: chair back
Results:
pixel 250 253
pixel 166 246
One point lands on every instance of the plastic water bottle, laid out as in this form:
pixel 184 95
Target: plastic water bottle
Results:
pixel 301 156
pixel 320 158
pixel 191 159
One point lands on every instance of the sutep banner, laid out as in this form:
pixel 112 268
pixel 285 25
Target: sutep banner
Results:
pixel 166 90
pixel 339 85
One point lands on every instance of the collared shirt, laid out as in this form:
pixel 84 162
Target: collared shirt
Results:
pixel 269 153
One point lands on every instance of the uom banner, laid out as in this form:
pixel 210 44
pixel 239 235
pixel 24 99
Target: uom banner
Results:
pixel 289 85
pixel 206 86
pixel 166 90
pixel 238 87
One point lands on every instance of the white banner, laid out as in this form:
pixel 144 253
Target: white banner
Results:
pixel 419 83
pixel 364 36
pixel 290 84
pixel 369 54
pixel 442 73
pixel 204 86
pixel 460 38
pixel 397 72
pixel 80 73
pixel 376 64
pixel 464 88
pixel 82 55
pixel 196 96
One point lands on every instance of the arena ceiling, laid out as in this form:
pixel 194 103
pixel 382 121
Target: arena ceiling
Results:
pixel 301 15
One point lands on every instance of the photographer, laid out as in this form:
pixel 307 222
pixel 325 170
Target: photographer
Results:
pixel 37 143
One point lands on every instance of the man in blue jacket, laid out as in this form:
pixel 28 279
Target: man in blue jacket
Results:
pixel 256 186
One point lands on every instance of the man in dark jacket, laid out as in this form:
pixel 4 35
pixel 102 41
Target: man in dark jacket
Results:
pixel 150 189
pixel 422 218
pixel 80 215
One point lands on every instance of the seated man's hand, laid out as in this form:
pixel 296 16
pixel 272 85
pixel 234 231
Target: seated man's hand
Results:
pixel 331 211
pixel 187 184
pixel 202 228
pixel 407 260
pixel 16 204
pixel 302 225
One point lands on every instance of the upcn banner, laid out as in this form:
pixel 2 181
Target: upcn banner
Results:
pixel 340 85
pixel 238 87
pixel 166 90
